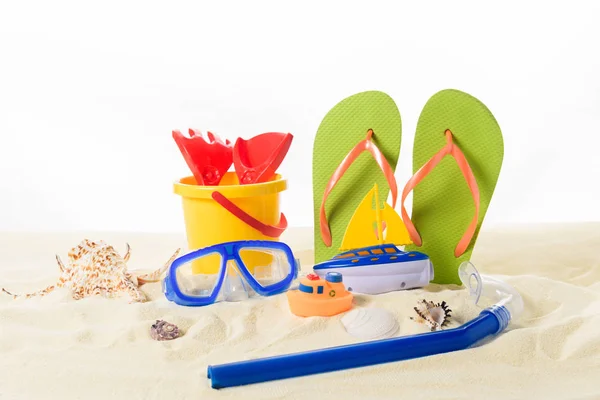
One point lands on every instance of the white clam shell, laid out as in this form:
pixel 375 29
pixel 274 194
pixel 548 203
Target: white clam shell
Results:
pixel 370 323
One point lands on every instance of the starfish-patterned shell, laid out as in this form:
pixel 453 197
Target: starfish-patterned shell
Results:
pixel 96 268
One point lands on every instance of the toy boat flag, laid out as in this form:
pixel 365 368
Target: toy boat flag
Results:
pixel 373 225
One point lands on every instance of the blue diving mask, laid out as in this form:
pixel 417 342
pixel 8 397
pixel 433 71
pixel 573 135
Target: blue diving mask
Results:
pixel 231 271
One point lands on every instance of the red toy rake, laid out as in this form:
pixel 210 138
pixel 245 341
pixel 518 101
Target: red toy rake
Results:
pixel 208 161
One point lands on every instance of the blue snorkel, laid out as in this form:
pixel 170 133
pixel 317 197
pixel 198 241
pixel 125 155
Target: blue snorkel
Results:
pixel 490 322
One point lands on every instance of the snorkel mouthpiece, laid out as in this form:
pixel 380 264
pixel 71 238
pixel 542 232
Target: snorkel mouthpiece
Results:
pixel 508 303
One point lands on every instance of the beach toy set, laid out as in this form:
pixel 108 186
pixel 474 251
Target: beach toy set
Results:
pixel 233 224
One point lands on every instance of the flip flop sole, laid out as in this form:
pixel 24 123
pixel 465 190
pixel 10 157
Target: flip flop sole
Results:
pixel 443 206
pixel 343 127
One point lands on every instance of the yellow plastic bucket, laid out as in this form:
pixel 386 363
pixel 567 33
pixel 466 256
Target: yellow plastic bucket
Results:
pixel 231 212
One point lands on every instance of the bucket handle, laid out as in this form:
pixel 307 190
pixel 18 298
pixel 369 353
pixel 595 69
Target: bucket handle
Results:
pixel 267 230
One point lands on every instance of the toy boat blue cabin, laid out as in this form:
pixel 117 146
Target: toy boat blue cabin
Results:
pixel 371 255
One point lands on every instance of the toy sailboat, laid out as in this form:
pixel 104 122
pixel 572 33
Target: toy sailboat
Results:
pixel 371 225
pixel 371 263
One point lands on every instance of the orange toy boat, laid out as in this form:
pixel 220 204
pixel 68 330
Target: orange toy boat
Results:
pixel 320 297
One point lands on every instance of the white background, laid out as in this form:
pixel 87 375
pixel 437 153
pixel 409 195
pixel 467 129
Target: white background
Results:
pixel 89 94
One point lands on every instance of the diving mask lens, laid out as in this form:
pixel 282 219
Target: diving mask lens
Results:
pixel 267 266
pixel 199 278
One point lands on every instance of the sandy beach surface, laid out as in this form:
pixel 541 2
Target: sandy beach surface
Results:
pixel 55 347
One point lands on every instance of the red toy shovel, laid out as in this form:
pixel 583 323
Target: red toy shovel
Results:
pixel 208 161
pixel 256 160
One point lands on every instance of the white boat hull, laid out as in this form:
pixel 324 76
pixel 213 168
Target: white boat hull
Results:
pixel 383 278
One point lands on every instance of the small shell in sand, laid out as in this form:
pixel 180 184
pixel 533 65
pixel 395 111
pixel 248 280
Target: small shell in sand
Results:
pixel 370 323
pixel 436 316
pixel 163 330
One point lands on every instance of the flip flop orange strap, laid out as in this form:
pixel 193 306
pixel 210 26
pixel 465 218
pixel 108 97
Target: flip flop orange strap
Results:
pixel 454 151
pixel 364 145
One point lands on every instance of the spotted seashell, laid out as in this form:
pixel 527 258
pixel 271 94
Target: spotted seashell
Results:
pixel 163 330
pixel 436 316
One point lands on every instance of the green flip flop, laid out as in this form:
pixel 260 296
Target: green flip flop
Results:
pixel 343 169
pixel 452 194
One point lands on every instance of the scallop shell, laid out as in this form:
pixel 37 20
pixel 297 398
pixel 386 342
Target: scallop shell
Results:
pixel 163 330
pixel 435 315
pixel 370 323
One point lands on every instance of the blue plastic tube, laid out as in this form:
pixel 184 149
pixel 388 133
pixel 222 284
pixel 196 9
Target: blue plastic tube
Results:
pixel 491 321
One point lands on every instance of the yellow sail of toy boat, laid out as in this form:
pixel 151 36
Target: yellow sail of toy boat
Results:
pixel 370 221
